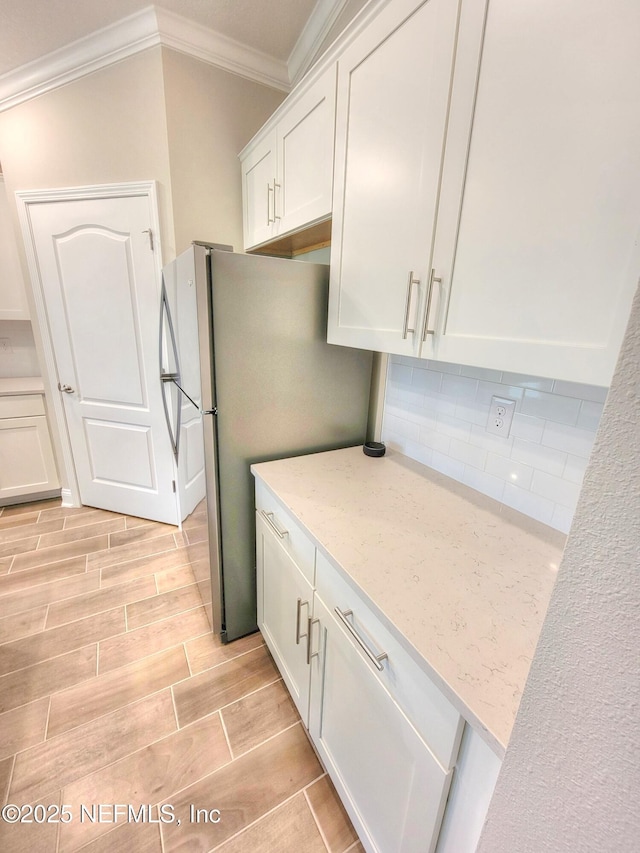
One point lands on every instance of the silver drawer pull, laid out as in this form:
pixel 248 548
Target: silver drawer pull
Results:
pixel 310 623
pixel 300 605
pixel 376 660
pixel 269 518
pixel 407 307
pixel 427 331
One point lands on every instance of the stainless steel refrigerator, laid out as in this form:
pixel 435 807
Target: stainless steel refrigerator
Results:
pixel 247 376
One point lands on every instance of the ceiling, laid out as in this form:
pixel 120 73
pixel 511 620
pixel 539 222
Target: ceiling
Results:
pixel 30 29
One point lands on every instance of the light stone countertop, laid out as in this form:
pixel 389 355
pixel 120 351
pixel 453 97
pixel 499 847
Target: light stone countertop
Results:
pixel 21 385
pixel 463 581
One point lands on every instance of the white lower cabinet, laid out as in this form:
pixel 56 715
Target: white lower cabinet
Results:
pixel 27 464
pixel 411 775
pixel 391 784
pixel 285 599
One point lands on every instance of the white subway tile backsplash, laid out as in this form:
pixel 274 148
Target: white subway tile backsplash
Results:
pixel 435 440
pixel 570 439
pixel 453 427
pixel 537 383
pixel 495 443
pixel 426 380
pixel 467 453
pixel 437 413
pixel 562 518
pixel 595 393
pixel 440 405
pixel 555 489
pixel 574 469
pixel 472 413
pixel 536 456
pixel 551 407
pixel 487 390
pixel 590 414
pixel 482 373
pixel 532 505
pixel 446 465
pixel 459 386
pixel 400 374
pixel 401 427
pixel 527 427
pixel 483 482
pixel 444 366
pixel 509 470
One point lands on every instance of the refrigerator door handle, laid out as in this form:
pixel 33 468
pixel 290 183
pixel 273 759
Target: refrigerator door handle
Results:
pixel 172 377
pixel 173 428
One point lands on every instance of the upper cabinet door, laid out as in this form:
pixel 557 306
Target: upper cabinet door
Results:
pixel 305 157
pixel 287 171
pixel 538 244
pixel 13 299
pixel 258 191
pixel 391 115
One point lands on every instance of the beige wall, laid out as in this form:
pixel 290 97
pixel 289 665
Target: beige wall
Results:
pixel 211 115
pixel 115 126
pixel 107 127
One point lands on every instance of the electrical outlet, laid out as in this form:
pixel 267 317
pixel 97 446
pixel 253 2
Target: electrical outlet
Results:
pixel 5 345
pixel 500 416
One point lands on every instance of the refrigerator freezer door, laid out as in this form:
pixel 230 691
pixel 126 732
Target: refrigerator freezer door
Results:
pixel 185 322
pixel 281 390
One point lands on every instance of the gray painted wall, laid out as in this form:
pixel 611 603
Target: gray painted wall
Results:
pixel 571 775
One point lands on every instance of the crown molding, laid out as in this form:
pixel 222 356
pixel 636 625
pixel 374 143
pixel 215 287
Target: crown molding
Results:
pixel 325 14
pixel 98 50
pixel 150 27
pixel 209 46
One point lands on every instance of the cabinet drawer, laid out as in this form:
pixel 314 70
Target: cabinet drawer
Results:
pixel 434 717
pixel 292 537
pixel 21 406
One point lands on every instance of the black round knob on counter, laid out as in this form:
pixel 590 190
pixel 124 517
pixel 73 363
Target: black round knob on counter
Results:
pixel 374 448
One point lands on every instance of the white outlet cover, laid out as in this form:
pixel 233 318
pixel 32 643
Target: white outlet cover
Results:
pixel 500 416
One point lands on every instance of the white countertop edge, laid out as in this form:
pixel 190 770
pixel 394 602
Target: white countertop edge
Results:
pixel 17 386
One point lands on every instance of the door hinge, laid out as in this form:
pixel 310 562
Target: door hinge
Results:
pixel 173 485
pixel 150 233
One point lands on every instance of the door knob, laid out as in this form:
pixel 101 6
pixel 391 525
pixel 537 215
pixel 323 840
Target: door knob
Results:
pixel 66 388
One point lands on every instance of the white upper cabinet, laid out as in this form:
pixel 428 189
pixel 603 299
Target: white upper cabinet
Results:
pixel 391 114
pixel 287 170
pixel 13 300
pixel 487 184
pixel 537 244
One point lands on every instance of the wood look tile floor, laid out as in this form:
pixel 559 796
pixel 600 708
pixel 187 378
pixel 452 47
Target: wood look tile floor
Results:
pixel 114 692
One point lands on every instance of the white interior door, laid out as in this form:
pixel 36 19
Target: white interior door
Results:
pixel 101 290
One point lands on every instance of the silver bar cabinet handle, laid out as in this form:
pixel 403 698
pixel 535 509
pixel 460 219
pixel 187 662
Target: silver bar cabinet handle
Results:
pixel 270 190
pixel 299 607
pixel 407 307
pixel 375 659
pixel 269 518
pixel 310 623
pixel 427 331
pixel 279 186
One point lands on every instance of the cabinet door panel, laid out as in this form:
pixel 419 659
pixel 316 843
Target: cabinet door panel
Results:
pixel 305 157
pixel 26 457
pixel 393 94
pixel 546 259
pixel 392 786
pixel 280 585
pixel 258 177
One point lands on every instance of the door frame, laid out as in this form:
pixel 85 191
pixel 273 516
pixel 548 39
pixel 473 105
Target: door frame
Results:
pixel 24 200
